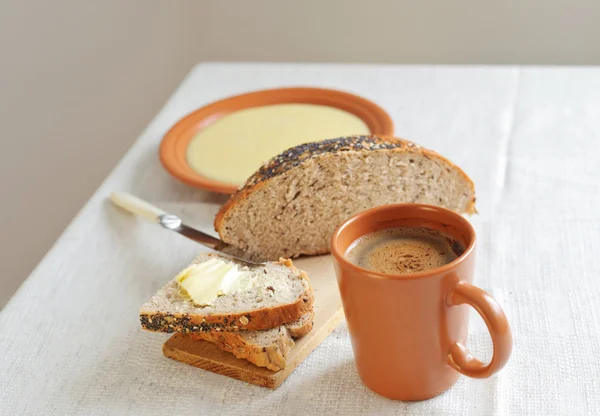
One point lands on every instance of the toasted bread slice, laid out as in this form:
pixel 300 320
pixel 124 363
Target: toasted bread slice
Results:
pixel 292 205
pixel 267 348
pixel 285 296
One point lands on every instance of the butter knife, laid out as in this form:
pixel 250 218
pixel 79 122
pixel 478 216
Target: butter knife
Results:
pixel 149 212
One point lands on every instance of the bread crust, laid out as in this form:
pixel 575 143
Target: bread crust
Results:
pixel 305 328
pixel 297 156
pixel 273 356
pixel 255 320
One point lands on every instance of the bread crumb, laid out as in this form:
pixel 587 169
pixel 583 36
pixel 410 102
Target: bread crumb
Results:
pixel 286 262
pixel 304 275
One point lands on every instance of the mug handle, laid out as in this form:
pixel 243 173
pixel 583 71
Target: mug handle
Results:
pixel 459 357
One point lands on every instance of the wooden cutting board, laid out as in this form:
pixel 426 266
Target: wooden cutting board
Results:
pixel 328 314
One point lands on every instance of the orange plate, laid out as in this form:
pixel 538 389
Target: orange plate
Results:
pixel 174 145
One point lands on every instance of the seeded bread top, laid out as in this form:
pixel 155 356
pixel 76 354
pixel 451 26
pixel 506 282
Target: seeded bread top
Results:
pixel 299 154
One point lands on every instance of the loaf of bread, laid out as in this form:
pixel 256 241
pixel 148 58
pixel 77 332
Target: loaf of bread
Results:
pixel 284 299
pixel 294 202
pixel 268 348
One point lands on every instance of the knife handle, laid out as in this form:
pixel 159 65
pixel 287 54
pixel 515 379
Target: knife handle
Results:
pixel 136 206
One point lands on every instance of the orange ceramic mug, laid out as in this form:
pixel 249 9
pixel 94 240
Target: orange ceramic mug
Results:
pixel 409 331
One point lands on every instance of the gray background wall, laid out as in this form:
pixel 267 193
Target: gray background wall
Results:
pixel 79 80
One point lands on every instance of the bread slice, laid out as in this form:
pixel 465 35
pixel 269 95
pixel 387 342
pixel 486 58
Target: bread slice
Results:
pixel 268 348
pixel 302 326
pixel 294 202
pixel 281 299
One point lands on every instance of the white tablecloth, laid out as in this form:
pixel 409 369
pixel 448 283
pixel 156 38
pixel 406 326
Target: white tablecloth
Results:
pixel 70 340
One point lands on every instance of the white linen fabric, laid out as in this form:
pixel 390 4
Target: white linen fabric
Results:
pixel 71 343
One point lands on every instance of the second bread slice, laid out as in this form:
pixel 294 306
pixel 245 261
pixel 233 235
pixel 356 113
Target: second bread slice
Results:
pixel 269 348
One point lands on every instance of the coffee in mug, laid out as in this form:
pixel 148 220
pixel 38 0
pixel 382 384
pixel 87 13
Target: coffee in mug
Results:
pixel 401 250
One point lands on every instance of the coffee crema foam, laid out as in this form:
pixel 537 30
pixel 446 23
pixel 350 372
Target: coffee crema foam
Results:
pixel 403 250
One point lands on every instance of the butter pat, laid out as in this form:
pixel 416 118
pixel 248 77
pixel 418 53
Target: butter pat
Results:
pixel 206 281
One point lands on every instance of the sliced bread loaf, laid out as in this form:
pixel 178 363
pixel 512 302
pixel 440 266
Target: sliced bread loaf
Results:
pixel 293 203
pixel 281 295
pixel 267 348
